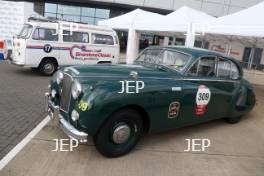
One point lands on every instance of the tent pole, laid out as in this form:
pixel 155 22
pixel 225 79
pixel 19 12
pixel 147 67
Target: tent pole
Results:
pixel 132 45
pixel 190 36
pixel 173 40
pixel 166 41
pixel 229 49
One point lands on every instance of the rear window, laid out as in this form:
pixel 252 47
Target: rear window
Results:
pixel 80 37
pixel 45 34
pixel 227 69
pixel 102 39
pixel 223 68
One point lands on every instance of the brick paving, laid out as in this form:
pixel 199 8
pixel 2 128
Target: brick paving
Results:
pixel 21 103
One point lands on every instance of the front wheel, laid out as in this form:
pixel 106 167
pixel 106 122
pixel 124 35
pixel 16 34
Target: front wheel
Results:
pixel 48 67
pixel 120 133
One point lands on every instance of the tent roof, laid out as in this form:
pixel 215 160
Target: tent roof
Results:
pixel 128 20
pixel 177 21
pixel 247 22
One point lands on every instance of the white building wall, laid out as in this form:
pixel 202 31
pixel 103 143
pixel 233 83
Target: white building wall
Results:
pixel 212 7
pixel 237 49
pixel 13 15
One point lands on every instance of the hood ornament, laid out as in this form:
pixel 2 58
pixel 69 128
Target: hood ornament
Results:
pixel 134 74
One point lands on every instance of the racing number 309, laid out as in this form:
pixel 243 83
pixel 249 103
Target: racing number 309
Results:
pixel 203 96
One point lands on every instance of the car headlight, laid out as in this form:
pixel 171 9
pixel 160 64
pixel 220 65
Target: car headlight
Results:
pixel 76 89
pixel 59 77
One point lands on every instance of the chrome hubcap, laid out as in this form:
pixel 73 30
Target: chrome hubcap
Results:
pixel 121 134
pixel 48 68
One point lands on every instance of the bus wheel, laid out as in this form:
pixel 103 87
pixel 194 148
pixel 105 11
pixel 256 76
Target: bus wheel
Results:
pixel 48 67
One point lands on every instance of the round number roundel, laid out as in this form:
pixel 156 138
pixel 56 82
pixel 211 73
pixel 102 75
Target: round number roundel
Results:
pixel 47 48
pixel 203 95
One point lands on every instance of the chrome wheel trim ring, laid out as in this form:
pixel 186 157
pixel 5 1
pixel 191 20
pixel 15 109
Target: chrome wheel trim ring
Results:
pixel 49 68
pixel 121 134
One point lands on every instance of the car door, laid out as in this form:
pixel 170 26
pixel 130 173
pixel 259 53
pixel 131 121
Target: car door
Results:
pixel 211 94
pixel 227 82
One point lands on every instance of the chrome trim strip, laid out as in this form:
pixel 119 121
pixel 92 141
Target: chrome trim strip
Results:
pixel 158 78
pixel 210 80
pixel 176 89
pixel 74 70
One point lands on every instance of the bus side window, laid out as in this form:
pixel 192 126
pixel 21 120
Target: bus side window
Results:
pixel 102 39
pixel 80 37
pixel 45 34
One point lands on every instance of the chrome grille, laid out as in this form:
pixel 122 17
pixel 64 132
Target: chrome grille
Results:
pixel 66 93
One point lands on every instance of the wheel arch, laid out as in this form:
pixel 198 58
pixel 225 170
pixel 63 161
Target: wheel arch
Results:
pixel 53 59
pixel 142 112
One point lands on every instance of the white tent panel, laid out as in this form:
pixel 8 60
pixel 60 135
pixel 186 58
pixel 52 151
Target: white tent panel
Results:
pixel 247 22
pixel 128 20
pixel 177 21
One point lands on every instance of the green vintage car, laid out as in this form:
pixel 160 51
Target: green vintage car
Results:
pixel 166 88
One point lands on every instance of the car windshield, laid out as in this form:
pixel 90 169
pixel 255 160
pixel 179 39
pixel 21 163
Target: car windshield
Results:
pixel 168 58
pixel 25 31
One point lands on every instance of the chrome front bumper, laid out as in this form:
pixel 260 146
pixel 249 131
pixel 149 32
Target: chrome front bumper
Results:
pixel 69 130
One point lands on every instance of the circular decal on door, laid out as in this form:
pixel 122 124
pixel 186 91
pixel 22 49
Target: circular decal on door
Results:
pixel 203 97
pixel 47 48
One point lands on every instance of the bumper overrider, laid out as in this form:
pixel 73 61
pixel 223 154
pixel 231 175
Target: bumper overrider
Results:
pixel 69 130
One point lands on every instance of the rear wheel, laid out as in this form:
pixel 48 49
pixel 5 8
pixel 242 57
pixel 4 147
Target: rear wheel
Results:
pixel 120 133
pixel 48 67
pixel 233 120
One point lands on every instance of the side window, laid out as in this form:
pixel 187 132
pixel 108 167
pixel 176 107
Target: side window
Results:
pixel 149 55
pixel 45 34
pixel 234 72
pixel 223 68
pixel 206 67
pixel 102 39
pixel 142 56
pixel 80 37
pixel 193 70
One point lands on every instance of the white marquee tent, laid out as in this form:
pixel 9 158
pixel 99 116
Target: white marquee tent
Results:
pixel 128 20
pixel 185 20
pixel 248 22
pixel 177 21
pixel 244 25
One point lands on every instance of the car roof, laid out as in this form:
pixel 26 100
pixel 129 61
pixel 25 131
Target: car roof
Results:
pixel 197 52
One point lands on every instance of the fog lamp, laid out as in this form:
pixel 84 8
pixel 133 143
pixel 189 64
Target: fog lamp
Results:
pixel 75 115
pixel 53 93
pixel 59 77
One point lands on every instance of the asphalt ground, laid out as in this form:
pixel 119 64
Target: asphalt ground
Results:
pixel 21 103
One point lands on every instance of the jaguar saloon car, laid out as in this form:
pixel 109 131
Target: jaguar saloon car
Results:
pixel 166 88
